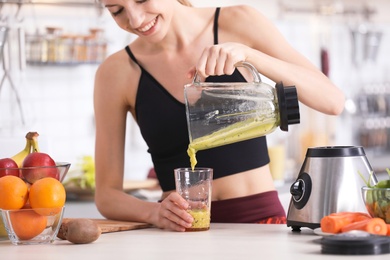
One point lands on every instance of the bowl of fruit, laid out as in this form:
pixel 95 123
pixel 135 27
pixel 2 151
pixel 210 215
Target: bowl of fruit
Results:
pixel 28 226
pixel 377 199
pixel 57 170
pixel 31 164
pixel 31 185
pixel 31 213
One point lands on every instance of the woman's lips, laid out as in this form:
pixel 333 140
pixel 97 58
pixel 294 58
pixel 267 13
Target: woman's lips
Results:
pixel 148 26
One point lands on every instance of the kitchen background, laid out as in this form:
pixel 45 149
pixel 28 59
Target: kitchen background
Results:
pixel 54 47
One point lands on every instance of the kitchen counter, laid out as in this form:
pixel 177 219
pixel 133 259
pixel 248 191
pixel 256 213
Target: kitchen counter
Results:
pixel 81 209
pixel 222 241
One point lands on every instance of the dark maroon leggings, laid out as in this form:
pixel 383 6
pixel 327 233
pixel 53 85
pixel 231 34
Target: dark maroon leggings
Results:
pixel 259 208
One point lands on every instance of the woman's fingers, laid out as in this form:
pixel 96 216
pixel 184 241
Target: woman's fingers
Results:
pixel 173 214
pixel 220 59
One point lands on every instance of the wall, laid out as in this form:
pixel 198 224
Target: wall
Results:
pixel 309 31
pixel 57 101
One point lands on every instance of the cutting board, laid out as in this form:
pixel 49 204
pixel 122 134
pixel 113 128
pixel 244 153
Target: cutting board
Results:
pixel 108 226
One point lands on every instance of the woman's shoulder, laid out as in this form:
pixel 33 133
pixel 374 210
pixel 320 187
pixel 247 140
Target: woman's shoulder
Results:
pixel 114 62
pixel 241 13
pixel 117 74
pixel 248 24
pixel 115 87
pixel 117 66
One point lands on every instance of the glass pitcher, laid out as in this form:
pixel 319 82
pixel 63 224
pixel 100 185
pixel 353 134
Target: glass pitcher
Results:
pixel 225 113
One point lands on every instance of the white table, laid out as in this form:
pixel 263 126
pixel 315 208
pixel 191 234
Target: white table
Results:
pixel 222 241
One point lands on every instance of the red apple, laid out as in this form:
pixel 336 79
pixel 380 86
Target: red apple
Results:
pixel 8 167
pixel 38 165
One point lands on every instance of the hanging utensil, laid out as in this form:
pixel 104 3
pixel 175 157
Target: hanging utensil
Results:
pixel 372 42
pixel 357 41
pixel 4 56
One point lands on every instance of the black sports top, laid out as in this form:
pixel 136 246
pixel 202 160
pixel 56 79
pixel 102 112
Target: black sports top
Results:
pixel 163 124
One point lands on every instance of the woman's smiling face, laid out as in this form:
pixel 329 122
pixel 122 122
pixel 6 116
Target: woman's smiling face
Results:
pixel 146 18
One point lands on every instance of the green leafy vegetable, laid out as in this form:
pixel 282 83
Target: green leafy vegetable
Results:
pixel 367 182
pixel 380 184
pixel 378 200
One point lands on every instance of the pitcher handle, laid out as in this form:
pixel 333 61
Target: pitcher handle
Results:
pixel 245 64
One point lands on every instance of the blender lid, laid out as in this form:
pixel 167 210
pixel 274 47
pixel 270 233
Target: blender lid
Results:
pixel 288 105
pixel 335 151
pixel 355 243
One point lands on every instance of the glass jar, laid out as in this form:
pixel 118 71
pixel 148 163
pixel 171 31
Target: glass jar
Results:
pixel 53 43
pixel 225 113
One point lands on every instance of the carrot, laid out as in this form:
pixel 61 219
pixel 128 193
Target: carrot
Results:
pixel 354 216
pixel 334 222
pixel 376 226
pixel 388 229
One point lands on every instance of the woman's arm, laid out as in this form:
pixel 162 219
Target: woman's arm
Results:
pixel 252 37
pixel 112 102
pixel 110 114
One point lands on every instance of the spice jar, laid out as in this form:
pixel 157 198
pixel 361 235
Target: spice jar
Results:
pixel 53 43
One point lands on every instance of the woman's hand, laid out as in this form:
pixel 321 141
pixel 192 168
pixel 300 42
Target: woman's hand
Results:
pixel 172 215
pixel 220 59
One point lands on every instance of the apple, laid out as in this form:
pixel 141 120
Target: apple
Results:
pixel 8 167
pixel 38 165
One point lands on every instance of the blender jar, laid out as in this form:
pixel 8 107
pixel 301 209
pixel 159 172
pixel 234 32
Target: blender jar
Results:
pixel 224 113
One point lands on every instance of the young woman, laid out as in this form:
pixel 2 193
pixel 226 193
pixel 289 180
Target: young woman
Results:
pixel 147 78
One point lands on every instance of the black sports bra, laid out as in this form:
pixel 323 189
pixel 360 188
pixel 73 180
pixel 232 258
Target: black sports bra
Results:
pixel 163 125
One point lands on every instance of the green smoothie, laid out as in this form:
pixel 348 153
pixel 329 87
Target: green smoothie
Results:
pixel 240 131
pixel 201 219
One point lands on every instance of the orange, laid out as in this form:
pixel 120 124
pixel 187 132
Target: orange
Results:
pixel 13 192
pixel 47 196
pixel 27 224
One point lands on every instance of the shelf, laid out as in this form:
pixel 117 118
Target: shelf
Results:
pixel 329 9
pixel 62 64
pixel 75 3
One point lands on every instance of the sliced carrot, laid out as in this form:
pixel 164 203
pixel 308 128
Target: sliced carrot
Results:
pixel 333 222
pixel 361 217
pixel 376 226
pixel 353 215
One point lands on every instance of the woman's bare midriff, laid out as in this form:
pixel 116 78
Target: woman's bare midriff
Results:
pixel 240 185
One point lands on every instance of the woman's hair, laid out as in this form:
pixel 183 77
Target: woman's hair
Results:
pixel 185 2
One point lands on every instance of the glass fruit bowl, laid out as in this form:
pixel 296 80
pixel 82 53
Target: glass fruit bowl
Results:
pixel 27 227
pixel 377 201
pixel 31 174
pixel 3 232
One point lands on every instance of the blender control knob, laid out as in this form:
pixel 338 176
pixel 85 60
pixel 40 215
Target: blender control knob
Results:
pixel 297 189
pixel 301 190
